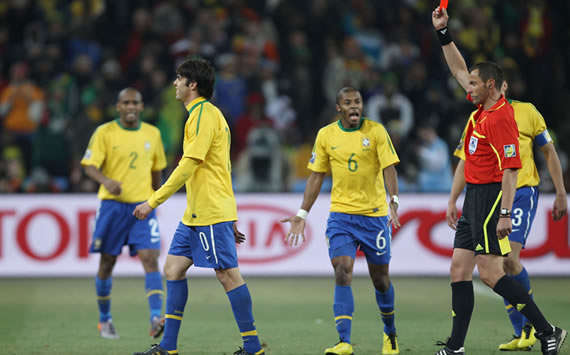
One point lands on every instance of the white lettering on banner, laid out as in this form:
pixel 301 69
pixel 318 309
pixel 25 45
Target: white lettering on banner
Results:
pixel 47 235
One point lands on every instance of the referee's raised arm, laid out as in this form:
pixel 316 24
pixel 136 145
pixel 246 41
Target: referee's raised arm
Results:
pixel 453 57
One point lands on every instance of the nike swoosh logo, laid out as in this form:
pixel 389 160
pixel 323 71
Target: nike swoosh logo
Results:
pixel 515 230
pixel 380 253
pixel 154 240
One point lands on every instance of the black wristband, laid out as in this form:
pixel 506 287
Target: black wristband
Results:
pixel 505 215
pixel 444 36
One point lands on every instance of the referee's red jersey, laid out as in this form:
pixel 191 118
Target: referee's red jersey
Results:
pixel 491 144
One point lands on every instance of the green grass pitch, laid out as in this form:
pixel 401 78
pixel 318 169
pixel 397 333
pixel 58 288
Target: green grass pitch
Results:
pixel 293 316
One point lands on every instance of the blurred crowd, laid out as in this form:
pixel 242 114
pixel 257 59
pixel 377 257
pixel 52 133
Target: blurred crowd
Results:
pixel 279 65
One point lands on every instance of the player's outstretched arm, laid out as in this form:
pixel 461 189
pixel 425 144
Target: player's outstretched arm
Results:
pixel 553 164
pixel 508 186
pixel 113 186
pixel 453 57
pixel 297 230
pixel 456 187
pixel 391 182
pixel 184 171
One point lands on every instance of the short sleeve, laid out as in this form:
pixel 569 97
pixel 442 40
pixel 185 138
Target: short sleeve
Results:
pixel 460 149
pixel 319 161
pixel 159 157
pixel 201 133
pixel 386 153
pixel 540 133
pixel 95 152
pixel 504 137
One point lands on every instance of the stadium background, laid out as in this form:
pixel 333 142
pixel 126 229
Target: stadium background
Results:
pixel 279 65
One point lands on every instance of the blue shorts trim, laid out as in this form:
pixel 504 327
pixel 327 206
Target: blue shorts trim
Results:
pixel 373 235
pixel 115 226
pixel 210 246
pixel 523 212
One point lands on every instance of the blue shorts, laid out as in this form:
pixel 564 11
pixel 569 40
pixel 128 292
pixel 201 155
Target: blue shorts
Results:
pixel 212 246
pixel 347 232
pixel 523 212
pixel 116 226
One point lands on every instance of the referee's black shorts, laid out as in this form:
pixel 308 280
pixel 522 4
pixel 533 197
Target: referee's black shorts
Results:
pixel 477 227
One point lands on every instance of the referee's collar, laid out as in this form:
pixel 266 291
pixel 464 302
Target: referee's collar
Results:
pixel 500 102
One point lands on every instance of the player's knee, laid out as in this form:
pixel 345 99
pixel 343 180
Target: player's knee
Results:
pixel 106 264
pixel 512 265
pixel 343 274
pixel 381 282
pixel 172 271
pixel 150 263
pixel 489 277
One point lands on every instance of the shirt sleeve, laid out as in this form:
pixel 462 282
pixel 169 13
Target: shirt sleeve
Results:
pixel 201 133
pixel 159 158
pixel 460 149
pixel 319 161
pixel 95 152
pixel 504 138
pixel 540 133
pixel 385 149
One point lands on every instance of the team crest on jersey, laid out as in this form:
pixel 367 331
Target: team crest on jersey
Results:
pixel 365 142
pixel 146 145
pixel 510 151
pixel 87 154
pixel 473 144
pixel 313 157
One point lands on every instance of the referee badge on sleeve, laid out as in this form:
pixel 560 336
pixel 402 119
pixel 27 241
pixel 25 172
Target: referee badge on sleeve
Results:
pixel 510 151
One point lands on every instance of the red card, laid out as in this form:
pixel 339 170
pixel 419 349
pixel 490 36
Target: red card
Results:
pixel 443 4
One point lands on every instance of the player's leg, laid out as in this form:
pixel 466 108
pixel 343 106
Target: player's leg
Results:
pixel 490 265
pixel 342 252
pixel 153 289
pixel 178 261
pixel 109 236
pixel 144 240
pixel 242 307
pixel 103 285
pixel 215 247
pixel 375 239
pixel 523 212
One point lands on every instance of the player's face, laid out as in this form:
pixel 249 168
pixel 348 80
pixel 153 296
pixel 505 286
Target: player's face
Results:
pixel 130 106
pixel 478 89
pixel 182 89
pixel 350 108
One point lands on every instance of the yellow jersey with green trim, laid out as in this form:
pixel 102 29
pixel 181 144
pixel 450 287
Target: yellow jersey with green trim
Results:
pixel 128 155
pixel 356 159
pixel 209 194
pixel 532 129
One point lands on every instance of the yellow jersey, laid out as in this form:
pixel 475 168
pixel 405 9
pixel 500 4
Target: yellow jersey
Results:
pixel 356 159
pixel 532 129
pixel 209 192
pixel 128 155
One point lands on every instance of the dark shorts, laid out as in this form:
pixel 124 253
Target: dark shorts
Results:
pixel 477 227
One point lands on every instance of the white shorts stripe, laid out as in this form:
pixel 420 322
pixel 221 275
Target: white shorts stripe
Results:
pixel 213 243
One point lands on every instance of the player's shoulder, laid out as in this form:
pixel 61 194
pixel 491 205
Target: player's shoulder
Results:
pixel 107 127
pixel 149 128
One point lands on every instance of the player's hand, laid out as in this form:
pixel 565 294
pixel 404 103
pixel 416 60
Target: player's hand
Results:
pixel 113 186
pixel 439 18
pixel 142 211
pixel 297 230
pixel 239 236
pixel 560 207
pixel 504 227
pixel 451 216
pixel 394 219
